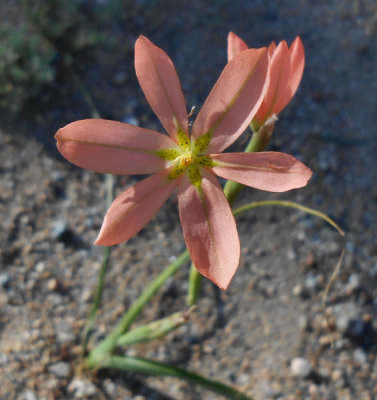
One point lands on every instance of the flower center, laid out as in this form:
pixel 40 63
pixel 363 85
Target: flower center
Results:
pixel 188 158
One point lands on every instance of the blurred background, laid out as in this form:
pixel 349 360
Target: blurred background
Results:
pixel 268 334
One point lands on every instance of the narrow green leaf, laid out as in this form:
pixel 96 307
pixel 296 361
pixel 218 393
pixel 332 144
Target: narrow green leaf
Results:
pixel 141 365
pixel 154 330
pixel 291 204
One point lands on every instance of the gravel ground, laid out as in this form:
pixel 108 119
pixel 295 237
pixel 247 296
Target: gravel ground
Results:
pixel 269 333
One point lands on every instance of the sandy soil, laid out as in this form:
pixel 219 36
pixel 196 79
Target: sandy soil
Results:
pixel 267 334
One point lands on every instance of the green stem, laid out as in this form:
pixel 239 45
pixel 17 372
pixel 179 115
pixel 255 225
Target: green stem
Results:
pixel 97 300
pixel 99 353
pixel 142 365
pixel 195 280
pixel 258 142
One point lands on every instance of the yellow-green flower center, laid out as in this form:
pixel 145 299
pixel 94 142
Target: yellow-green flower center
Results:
pixel 188 158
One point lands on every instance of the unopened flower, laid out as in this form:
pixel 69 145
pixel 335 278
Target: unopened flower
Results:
pixel 286 66
pixel 183 159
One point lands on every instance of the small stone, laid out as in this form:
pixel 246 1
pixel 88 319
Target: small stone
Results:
pixel 65 337
pixel 60 369
pixel 3 299
pixel 297 290
pixel 110 387
pixel 300 367
pixel 4 279
pixel 336 375
pixel 327 340
pixel 40 266
pixel 28 395
pixel 59 229
pixel 354 283
pixel 80 388
pixel 86 295
pixel 120 78
pixel 313 281
pixel 291 254
pixel 313 389
pixel 303 323
pixel 52 284
pixel 349 321
pixel 360 356
pixel 130 119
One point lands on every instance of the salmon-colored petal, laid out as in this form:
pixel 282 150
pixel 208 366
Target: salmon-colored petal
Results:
pixel 134 208
pixel 277 95
pixel 112 147
pixel 209 229
pixel 271 48
pixel 235 45
pixel 296 69
pixel 297 56
pixel 233 101
pixel 270 171
pixel 160 83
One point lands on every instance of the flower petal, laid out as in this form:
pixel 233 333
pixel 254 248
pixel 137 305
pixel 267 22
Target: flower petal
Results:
pixel 112 147
pixel 278 93
pixel 270 171
pixel 233 101
pixel 160 83
pixel 134 208
pixel 235 45
pixel 297 56
pixel 209 229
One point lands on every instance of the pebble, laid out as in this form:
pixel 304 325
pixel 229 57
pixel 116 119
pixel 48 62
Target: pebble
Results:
pixel 313 282
pixel 349 321
pixel 303 323
pixel 4 279
pixel 80 388
pixel 110 387
pixel 40 266
pixel 61 369
pixel 360 356
pixel 59 229
pixel 65 337
pixel 336 375
pixel 52 284
pixel 300 367
pixel 354 283
pixel 3 299
pixel 28 395
pixel 120 78
pixel 130 119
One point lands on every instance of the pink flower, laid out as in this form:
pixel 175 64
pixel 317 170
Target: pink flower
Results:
pixel 185 160
pixel 285 71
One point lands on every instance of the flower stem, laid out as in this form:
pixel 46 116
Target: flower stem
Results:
pixel 258 142
pixel 195 280
pixel 97 300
